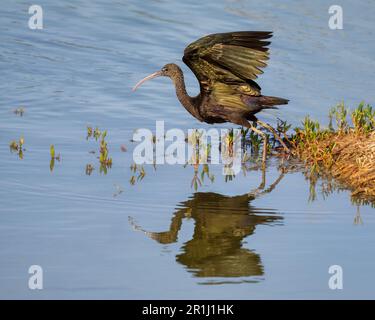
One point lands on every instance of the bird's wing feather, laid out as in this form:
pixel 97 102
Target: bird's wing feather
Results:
pixel 227 95
pixel 229 58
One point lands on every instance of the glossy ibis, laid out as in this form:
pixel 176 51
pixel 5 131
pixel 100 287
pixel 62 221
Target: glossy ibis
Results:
pixel 221 223
pixel 226 65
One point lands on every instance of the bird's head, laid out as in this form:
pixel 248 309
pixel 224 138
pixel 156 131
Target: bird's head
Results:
pixel 170 70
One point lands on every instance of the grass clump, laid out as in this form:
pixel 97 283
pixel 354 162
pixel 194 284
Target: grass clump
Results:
pixel 363 119
pixel 104 159
pixel 345 150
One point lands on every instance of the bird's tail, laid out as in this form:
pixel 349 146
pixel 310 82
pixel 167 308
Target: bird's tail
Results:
pixel 269 102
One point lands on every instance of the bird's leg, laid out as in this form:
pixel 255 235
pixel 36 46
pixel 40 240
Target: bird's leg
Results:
pixel 264 136
pixel 278 138
pixel 260 190
pixel 243 122
pixel 255 192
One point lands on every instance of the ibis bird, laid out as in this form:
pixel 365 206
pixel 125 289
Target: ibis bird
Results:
pixel 226 65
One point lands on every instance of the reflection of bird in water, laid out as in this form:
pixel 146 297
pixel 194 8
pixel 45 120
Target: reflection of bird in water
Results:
pixel 226 65
pixel 221 223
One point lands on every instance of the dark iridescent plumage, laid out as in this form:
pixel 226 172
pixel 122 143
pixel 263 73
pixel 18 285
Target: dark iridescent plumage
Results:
pixel 226 65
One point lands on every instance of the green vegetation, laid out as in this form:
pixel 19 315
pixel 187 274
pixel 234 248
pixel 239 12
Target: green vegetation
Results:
pixel 363 119
pixel 95 133
pixel 19 111
pixel 345 150
pixel 53 157
pixel 17 147
pixel 104 159
pixel 138 173
pixel 89 169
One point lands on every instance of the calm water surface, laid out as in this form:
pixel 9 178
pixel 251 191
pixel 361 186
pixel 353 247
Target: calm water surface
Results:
pixel 98 236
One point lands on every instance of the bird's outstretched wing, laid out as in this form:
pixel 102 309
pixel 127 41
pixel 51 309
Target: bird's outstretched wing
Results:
pixel 229 61
pixel 234 57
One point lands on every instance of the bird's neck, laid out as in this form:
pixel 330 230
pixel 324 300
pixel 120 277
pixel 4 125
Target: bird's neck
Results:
pixel 189 103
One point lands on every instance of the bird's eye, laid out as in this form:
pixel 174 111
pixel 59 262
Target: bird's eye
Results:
pixel 165 69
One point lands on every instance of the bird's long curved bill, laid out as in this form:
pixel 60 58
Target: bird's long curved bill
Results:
pixel 151 76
